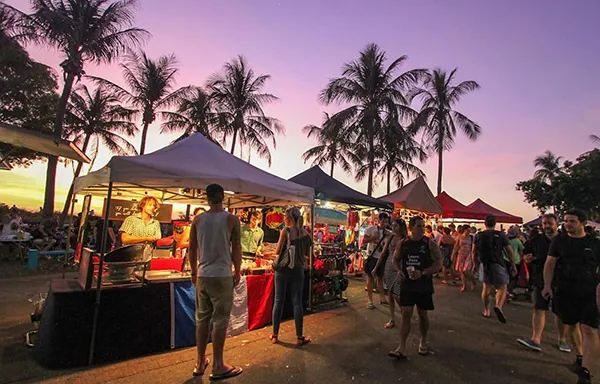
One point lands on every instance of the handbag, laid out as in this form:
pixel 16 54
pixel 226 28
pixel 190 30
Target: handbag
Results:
pixel 287 258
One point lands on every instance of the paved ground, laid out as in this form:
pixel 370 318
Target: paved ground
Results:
pixel 350 345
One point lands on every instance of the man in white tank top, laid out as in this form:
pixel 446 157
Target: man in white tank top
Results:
pixel 214 246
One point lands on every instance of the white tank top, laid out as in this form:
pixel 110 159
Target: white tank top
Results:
pixel 214 245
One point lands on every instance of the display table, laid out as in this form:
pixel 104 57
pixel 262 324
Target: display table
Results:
pixel 136 321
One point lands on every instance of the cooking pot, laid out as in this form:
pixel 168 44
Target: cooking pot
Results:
pixel 128 253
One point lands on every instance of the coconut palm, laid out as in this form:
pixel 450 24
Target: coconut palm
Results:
pixel 547 166
pixel 399 151
pixel 595 139
pixel 151 86
pixel 438 116
pixel 97 116
pixel 377 97
pixel 194 114
pixel 333 146
pixel 83 31
pixel 239 102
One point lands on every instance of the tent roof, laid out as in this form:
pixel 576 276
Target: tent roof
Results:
pixel 501 216
pixel 536 221
pixel 328 188
pixel 416 196
pixel 453 209
pixel 180 172
pixel 40 142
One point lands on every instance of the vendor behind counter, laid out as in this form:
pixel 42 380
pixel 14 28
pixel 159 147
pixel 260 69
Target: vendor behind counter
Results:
pixel 142 227
pixel 252 235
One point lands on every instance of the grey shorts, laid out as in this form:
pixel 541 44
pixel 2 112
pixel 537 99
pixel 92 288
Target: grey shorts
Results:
pixel 495 274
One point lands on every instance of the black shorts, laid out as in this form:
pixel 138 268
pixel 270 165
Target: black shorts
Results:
pixel 577 308
pixel 539 302
pixel 370 264
pixel 423 301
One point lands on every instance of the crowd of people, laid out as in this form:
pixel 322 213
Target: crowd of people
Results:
pixel 559 268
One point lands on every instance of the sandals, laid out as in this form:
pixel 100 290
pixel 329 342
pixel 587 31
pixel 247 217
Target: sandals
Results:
pixel 500 315
pixel 396 355
pixel 274 339
pixel 303 341
pixel 199 372
pixel 423 350
pixel 390 324
pixel 233 372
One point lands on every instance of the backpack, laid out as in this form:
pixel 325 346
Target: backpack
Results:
pixel 489 248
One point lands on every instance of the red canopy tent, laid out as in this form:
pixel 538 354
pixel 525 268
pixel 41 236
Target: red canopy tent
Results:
pixel 453 209
pixel 501 216
pixel 415 196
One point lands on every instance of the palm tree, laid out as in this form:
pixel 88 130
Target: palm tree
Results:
pixel 239 101
pixel 595 139
pixel 399 150
pixel 438 116
pixel 333 146
pixel 377 98
pixel 151 85
pixel 83 31
pixel 97 116
pixel 548 166
pixel 194 114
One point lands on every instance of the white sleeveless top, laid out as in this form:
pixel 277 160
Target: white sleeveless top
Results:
pixel 214 245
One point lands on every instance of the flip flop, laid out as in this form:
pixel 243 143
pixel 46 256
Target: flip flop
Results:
pixel 198 372
pixel 423 351
pixel 233 372
pixel 500 315
pixel 486 316
pixel 396 355
pixel 390 324
pixel 303 341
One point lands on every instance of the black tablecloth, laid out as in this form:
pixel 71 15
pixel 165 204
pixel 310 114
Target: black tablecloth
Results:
pixel 132 322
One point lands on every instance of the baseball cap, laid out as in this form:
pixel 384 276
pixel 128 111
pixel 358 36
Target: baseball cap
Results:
pixel 215 193
pixel 513 232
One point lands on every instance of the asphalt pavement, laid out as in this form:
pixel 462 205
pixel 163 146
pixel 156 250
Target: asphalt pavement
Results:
pixel 350 344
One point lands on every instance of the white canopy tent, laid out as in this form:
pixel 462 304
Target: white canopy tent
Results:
pixel 180 172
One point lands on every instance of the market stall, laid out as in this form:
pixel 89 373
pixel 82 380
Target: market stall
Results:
pixel 329 282
pixel 501 216
pixel 175 174
pixel 415 198
pixel 454 211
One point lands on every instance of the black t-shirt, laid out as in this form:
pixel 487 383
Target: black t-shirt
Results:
pixel 577 265
pixel 417 254
pixel 489 246
pixel 538 246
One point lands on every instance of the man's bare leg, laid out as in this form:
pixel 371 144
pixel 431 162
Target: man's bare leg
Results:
pixel 575 335
pixel 202 331
pixel 486 292
pixel 406 316
pixel 591 346
pixel 561 330
pixel 501 296
pixel 423 327
pixel 370 287
pixel 380 289
pixel 538 323
pixel 218 341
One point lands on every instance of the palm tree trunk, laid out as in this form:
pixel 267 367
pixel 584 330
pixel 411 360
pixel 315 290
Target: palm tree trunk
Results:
pixel 371 169
pixel 331 170
pixel 65 211
pixel 440 149
pixel 233 141
pixel 389 181
pixel 61 108
pixel 144 134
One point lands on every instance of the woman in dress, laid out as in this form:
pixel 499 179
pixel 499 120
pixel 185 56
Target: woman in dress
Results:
pixel 291 276
pixel 447 247
pixel 464 262
pixel 400 232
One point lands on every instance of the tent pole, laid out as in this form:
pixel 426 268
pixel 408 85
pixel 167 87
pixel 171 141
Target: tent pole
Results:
pixel 99 279
pixel 311 257
pixel 187 212
pixel 68 247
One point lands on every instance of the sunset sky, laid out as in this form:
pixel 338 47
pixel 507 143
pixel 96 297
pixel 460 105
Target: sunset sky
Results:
pixel 536 62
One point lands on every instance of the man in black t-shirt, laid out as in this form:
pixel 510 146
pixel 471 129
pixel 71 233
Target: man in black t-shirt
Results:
pixel 489 248
pixel 418 258
pixel 536 252
pixel 576 259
